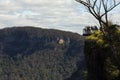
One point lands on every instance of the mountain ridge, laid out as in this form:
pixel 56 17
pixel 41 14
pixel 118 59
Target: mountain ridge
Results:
pixel 34 53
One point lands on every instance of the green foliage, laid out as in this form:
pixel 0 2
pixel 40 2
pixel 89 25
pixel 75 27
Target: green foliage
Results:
pixel 111 69
pixel 118 32
pixel 86 74
pixel 103 53
pixel 97 36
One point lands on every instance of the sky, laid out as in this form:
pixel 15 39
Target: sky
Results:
pixel 66 15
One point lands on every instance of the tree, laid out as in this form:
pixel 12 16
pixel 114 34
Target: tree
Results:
pixel 100 9
pixel 110 35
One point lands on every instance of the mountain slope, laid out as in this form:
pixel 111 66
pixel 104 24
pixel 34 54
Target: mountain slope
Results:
pixel 28 53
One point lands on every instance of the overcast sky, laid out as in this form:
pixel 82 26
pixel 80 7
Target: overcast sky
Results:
pixel 58 14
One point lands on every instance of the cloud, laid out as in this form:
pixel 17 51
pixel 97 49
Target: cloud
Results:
pixel 59 14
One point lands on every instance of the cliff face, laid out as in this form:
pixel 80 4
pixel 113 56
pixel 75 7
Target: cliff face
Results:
pixel 95 57
pixel 28 53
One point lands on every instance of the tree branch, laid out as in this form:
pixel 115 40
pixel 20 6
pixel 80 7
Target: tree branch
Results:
pixel 110 9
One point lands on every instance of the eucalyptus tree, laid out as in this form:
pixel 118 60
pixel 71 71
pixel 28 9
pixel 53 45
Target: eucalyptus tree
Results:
pixel 100 9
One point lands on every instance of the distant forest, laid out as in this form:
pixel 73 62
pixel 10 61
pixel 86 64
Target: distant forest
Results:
pixel 28 53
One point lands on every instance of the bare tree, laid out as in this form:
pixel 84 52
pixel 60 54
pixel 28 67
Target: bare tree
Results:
pixel 100 9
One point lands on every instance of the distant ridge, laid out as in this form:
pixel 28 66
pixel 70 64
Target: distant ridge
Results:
pixel 32 53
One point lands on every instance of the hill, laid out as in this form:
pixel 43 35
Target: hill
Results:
pixel 29 53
